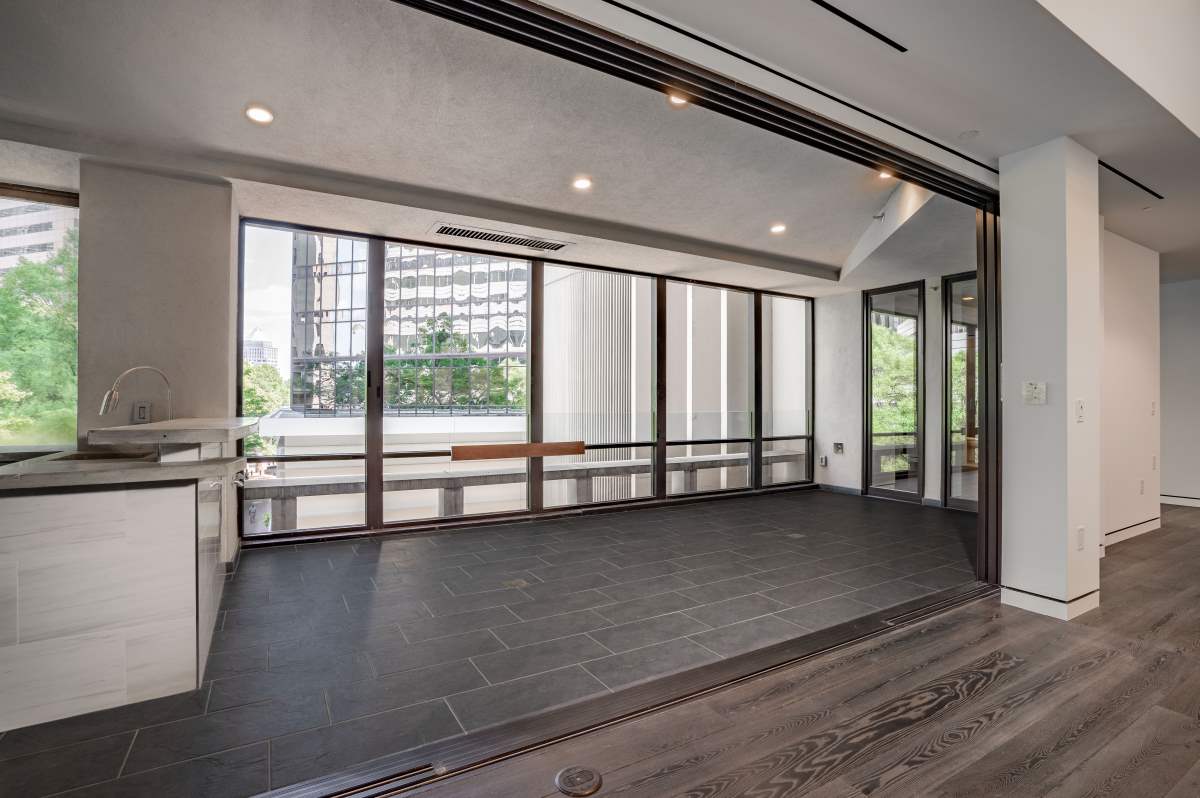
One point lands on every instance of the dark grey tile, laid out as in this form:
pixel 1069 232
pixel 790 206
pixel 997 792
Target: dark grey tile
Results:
pixel 583 600
pixel 578 556
pixel 747 635
pixel 503 567
pixel 570 623
pixel 553 573
pixel 397 594
pixel 718 573
pixel 66 768
pixel 650 606
pixel 888 594
pixel 792 574
pixel 433 560
pixel 729 588
pixel 104 723
pixel 828 612
pixel 806 592
pixel 642 557
pixel 645 632
pixel 620 670
pixel 469 585
pixel 156 746
pixel 563 587
pixel 236 773
pixel 510 700
pixel 512 553
pixel 644 588
pixel 283 612
pixel 696 561
pixel 778 557
pixel 370 696
pixel 475 601
pixel 865 577
pixel 322 751
pixel 445 626
pixel 300 657
pixel 732 610
pixel 231 663
pixel 514 663
pixel 251 636
pixel 636 573
pixel 396 658
pixel 259 686
pixel 942 578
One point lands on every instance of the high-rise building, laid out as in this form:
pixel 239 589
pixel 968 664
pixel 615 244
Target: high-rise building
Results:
pixel 256 351
pixel 32 230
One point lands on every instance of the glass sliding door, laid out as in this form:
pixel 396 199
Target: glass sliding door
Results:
pixel 710 388
pixel 893 335
pixel 597 384
pixel 455 360
pixel 304 349
pixel 786 333
pixel 963 390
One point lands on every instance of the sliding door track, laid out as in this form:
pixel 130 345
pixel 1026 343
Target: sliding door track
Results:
pixel 403 772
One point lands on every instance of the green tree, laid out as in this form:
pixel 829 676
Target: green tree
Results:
pixel 38 348
pixel 263 392
pixel 893 390
pixel 462 379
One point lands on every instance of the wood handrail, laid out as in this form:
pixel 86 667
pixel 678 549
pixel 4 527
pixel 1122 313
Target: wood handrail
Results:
pixel 508 451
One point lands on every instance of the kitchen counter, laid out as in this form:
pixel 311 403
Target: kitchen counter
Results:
pixel 66 470
pixel 179 430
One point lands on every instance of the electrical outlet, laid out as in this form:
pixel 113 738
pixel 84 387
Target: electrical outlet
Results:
pixel 839 448
pixel 1078 411
pixel 1153 407
pixel 824 460
pixel 1079 538
pixel 141 412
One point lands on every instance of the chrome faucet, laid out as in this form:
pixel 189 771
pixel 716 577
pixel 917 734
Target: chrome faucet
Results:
pixel 112 396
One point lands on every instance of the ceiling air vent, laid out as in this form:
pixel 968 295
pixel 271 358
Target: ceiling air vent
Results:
pixel 495 237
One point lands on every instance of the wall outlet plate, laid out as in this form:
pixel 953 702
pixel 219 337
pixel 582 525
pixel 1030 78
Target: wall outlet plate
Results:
pixel 824 460
pixel 1033 393
pixel 141 412
pixel 838 448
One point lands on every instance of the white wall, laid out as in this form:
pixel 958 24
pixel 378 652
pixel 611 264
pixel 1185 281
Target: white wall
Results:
pixel 1181 392
pixel 1051 322
pixel 1129 436
pixel 839 397
pixel 157 286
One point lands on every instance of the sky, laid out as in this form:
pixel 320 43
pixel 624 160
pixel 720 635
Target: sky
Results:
pixel 268 291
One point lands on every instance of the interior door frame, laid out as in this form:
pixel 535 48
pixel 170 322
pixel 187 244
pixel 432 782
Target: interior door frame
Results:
pixel 868 437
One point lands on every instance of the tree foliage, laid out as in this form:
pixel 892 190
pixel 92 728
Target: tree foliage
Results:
pixel 464 379
pixel 38 348
pixel 263 392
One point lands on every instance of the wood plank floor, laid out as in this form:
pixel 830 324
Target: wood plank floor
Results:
pixel 985 700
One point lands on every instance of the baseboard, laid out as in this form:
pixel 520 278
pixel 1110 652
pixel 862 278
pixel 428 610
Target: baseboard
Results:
pixel 1131 531
pixel 1043 605
pixel 841 489
pixel 927 502
pixel 1182 501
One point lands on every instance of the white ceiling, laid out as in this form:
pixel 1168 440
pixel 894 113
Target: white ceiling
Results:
pixel 1008 69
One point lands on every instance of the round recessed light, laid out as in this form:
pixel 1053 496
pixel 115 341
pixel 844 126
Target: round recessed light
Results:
pixel 778 227
pixel 884 174
pixel 582 183
pixel 968 299
pixel 259 114
pixel 677 100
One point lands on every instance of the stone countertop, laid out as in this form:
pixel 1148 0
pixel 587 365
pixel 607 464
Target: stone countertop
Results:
pixel 56 472
pixel 179 430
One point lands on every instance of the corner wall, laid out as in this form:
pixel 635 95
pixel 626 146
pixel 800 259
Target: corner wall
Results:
pixel 157 286
pixel 1129 436
pixel 1180 327
pixel 839 389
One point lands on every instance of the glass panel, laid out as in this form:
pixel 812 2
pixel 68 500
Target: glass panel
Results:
pixel 710 363
pixel 785 461
pixel 598 475
pixel 895 330
pixel 454 374
pixel 785 366
pixel 304 377
pixel 963 351
pixel 320 493
pixel 39 268
pixel 705 467
pixel 598 356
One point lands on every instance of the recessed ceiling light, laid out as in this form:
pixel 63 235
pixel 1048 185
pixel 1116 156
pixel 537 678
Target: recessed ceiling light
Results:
pixel 677 100
pixel 778 227
pixel 968 299
pixel 259 114
pixel 582 183
pixel 884 174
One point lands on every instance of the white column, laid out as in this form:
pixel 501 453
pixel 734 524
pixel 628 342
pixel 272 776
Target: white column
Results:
pixel 1052 335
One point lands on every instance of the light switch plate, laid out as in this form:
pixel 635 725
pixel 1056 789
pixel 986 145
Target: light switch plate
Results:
pixel 1033 393
pixel 141 412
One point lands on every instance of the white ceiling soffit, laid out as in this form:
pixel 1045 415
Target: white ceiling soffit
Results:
pixel 399 106
pixel 1009 70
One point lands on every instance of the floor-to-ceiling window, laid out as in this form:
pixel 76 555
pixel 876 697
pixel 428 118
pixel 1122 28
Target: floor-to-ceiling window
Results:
pixel 893 342
pixel 963 391
pixel 658 379
pixel 710 387
pixel 39 268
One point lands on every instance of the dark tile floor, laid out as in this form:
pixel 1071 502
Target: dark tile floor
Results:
pixel 332 654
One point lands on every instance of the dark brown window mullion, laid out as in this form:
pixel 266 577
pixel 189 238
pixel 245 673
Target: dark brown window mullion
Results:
pixel 658 314
pixel 373 427
pixel 756 445
pixel 533 392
